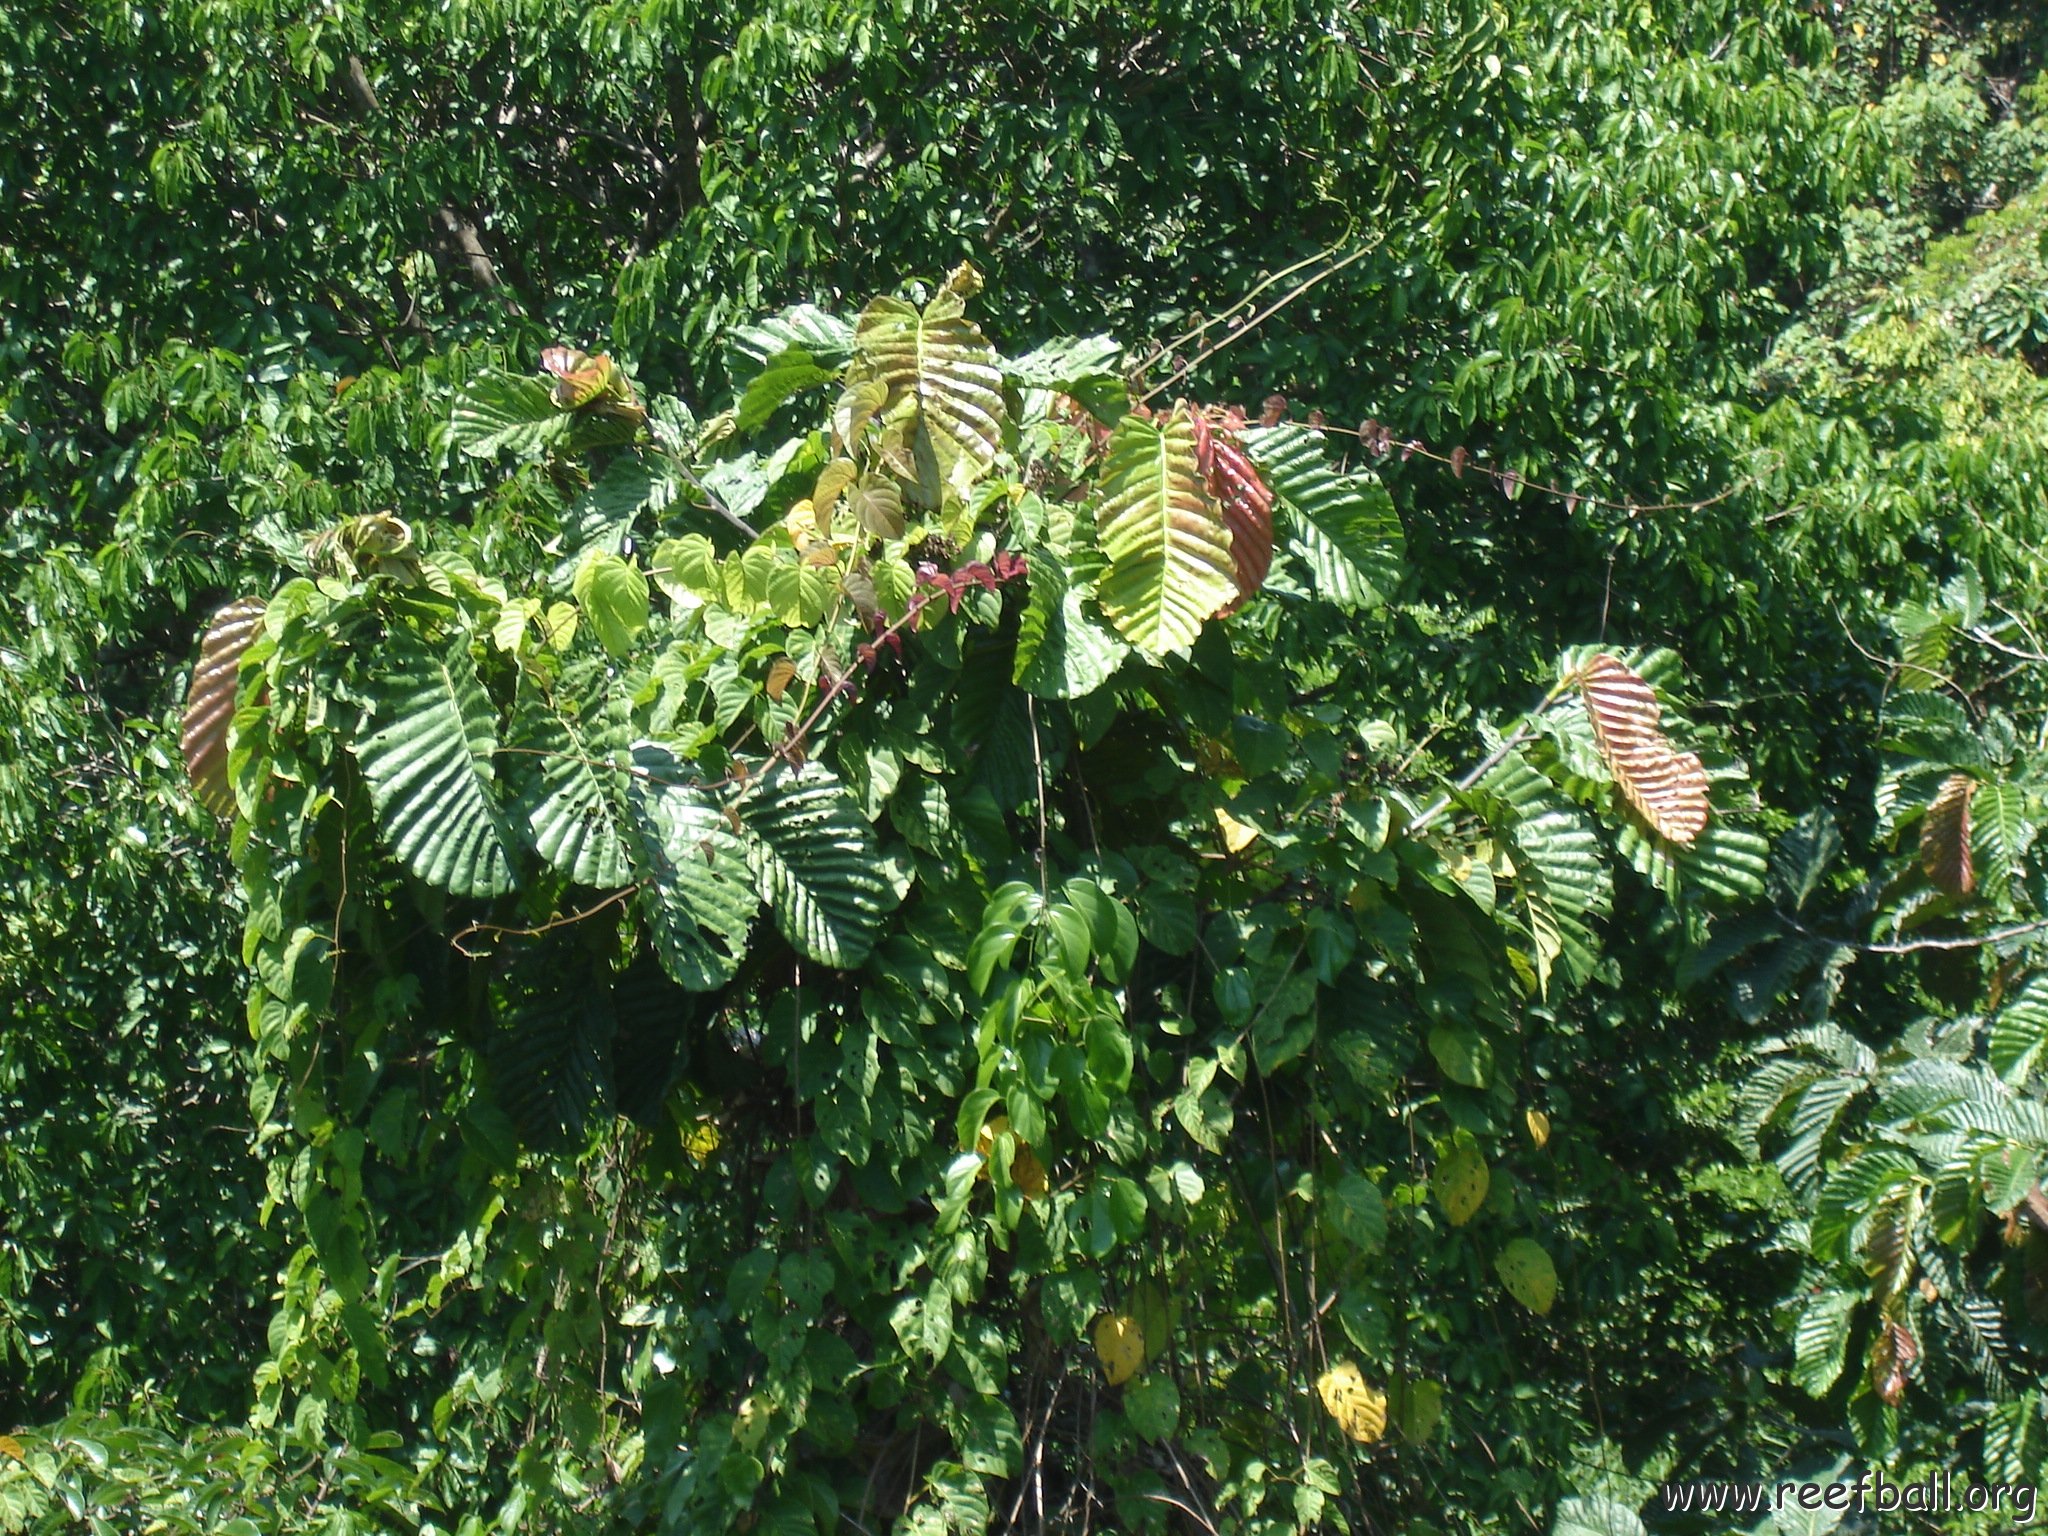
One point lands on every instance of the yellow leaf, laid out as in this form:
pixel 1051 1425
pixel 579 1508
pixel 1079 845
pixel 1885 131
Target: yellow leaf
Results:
pixel 1940 59
pixel 1026 1171
pixel 1120 1346
pixel 1857 27
pixel 9 1446
pixel 1360 1410
pixel 781 673
pixel 1459 1183
pixel 700 1141
pixel 1539 1128
pixel 1236 835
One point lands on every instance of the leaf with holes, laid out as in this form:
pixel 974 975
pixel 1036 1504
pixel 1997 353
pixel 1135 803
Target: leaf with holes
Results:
pixel 1119 1346
pixel 1459 1183
pixel 944 388
pixel 702 899
pixel 1359 1409
pixel 1525 1269
pixel 1170 565
pixel 815 863
pixel 1343 525
pixel 1667 787
pixel 430 763
pixel 1945 837
pixel 210 701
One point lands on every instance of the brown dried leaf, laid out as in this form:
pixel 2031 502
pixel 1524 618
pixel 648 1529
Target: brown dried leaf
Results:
pixel 1667 787
pixel 210 703
pixel 1945 836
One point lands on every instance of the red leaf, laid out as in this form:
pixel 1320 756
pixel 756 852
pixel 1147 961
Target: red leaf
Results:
pixel 1244 499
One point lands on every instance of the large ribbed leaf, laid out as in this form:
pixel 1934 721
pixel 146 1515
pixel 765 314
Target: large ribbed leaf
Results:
pixel 1820 1340
pixel 550 1053
pixel 499 411
pixel 1168 546
pixel 826 337
pixel 1560 876
pixel 1061 652
pixel 2019 1035
pixel 1667 787
pixel 1344 525
pixel 429 763
pixel 815 863
pixel 945 389
pixel 701 902
pixel 2000 833
pixel 571 771
pixel 210 703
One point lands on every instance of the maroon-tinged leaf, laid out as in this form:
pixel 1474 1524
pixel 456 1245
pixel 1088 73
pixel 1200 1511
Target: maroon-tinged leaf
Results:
pixel 1945 837
pixel 1244 499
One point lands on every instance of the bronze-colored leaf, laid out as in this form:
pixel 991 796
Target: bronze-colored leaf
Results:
pixel 877 506
pixel 1244 499
pixel 582 380
pixel 1667 787
pixel 1891 1355
pixel 1945 836
pixel 210 703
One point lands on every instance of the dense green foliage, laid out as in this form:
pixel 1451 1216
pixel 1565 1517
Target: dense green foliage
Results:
pixel 758 955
